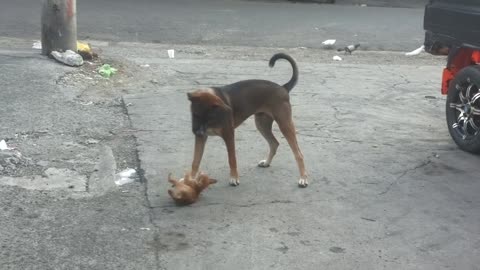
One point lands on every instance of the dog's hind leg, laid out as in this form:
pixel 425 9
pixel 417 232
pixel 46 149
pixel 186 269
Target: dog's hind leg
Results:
pixel 283 117
pixel 264 124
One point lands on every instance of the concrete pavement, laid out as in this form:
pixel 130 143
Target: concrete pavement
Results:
pixel 389 189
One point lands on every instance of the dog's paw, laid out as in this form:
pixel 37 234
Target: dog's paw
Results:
pixel 303 182
pixel 263 164
pixel 234 181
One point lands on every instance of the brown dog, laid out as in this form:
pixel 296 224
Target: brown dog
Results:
pixel 186 191
pixel 219 110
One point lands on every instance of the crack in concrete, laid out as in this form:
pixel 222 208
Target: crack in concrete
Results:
pixel 421 165
pixel 144 181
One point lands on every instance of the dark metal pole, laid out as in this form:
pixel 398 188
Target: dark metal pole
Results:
pixel 59 26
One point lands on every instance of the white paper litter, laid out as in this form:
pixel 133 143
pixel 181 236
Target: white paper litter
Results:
pixel 337 58
pixel 329 42
pixel 416 51
pixel 145 66
pixel 125 177
pixel 37 45
pixel 4 146
pixel 171 53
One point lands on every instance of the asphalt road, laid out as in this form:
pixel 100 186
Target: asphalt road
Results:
pixel 231 22
pixel 388 187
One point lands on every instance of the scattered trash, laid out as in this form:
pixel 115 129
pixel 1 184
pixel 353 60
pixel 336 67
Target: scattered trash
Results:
pixel 85 50
pixel 363 5
pixel 337 58
pixel 171 53
pixel 329 42
pixel 368 219
pixel 69 58
pixel 154 81
pixel 11 159
pixel 126 176
pixel 302 48
pixel 416 51
pixel 145 229
pixel 145 66
pixel 430 97
pixel 350 48
pixel 4 146
pixel 37 45
pixel 107 71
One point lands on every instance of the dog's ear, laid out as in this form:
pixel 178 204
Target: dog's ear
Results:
pixel 207 98
pixel 190 96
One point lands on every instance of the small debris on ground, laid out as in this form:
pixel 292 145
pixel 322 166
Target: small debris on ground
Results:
pixel 85 51
pixel 329 43
pixel 416 51
pixel 37 45
pixel 349 49
pixel 125 177
pixel 4 146
pixel 85 103
pixel 145 66
pixel 92 141
pixel 107 71
pixel 11 159
pixel 171 53
pixel 430 97
pixel 337 58
pixel 69 58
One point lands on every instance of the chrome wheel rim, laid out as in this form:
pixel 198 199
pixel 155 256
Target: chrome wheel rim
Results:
pixel 467 110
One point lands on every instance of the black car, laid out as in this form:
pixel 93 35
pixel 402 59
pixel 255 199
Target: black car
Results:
pixel 452 27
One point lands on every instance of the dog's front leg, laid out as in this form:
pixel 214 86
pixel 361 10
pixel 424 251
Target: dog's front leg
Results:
pixel 229 138
pixel 200 142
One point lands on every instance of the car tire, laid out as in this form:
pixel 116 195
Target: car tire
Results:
pixel 463 109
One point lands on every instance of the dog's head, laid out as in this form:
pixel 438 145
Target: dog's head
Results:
pixel 208 111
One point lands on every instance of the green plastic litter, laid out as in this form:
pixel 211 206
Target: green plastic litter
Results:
pixel 107 71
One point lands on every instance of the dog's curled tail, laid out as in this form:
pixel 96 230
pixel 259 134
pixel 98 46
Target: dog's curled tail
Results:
pixel 293 81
